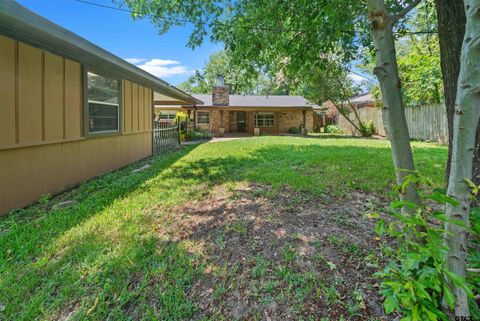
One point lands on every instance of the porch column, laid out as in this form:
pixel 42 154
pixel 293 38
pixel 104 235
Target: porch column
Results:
pixel 195 117
pixel 276 120
pixel 221 130
pixel 304 130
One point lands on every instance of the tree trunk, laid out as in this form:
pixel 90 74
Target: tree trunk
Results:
pixel 451 29
pixel 465 123
pixel 386 71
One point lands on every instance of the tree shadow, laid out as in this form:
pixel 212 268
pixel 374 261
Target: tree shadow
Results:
pixel 117 252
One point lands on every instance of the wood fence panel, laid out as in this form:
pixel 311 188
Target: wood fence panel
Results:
pixel 428 122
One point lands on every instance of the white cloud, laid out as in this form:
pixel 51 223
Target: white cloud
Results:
pixel 162 62
pixel 356 78
pixel 162 68
pixel 135 60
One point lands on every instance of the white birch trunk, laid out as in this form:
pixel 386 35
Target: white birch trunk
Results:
pixel 465 120
pixel 386 71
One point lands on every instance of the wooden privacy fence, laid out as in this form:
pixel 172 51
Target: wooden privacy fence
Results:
pixel 428 122
pixel 165 136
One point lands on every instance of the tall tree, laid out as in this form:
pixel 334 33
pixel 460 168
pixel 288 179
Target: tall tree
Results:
pixel 386 70
pixel 297 35
pixel 466 118
pixel 242 80
pixel 451 29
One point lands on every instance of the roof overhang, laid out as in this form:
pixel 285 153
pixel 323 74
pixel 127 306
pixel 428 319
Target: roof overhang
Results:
pixel 263 108
pixel 17 22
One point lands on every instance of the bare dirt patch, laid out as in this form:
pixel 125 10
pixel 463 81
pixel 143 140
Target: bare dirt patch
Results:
pixel 284 256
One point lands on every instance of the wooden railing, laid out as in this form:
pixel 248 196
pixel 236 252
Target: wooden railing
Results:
pixel 165 136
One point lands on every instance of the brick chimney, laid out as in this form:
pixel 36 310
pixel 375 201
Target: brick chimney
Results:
pixel 220 93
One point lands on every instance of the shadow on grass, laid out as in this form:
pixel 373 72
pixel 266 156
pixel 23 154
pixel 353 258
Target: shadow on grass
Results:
pixel 107 256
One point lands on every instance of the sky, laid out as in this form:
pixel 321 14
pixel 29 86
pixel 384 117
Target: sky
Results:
pixel 165 56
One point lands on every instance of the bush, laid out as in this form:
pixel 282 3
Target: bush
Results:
pixel 333 129
pixel 194 135
pixel 294 130
pixel 415 283
pixel 367 129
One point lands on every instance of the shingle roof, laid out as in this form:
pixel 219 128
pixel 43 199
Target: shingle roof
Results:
pixel 362 98
pixel 259 101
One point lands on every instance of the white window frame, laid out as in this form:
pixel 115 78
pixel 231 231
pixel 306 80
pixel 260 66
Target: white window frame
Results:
pixel 256 120
pixel 88 101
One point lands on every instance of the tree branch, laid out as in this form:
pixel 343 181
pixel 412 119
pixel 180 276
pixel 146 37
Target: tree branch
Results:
pixel 341 112
pixel 405 11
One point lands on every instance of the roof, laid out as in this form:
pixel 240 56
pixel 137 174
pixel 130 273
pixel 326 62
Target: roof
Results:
pixel 17 22
pixel 259 101
pixel 362 98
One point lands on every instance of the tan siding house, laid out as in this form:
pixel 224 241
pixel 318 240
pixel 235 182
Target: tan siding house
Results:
pixel 69 110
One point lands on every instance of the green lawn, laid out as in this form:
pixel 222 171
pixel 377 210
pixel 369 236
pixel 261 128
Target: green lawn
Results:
pixel 108 256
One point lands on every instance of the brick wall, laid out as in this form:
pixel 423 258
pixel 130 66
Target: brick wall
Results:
pixel 294 119
pixel 215 119
pixel 232 122
pixel 220 96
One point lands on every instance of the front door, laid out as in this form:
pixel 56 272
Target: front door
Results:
pixel 241 121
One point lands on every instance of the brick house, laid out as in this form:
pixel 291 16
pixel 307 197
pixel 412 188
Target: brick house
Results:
pixel 222 113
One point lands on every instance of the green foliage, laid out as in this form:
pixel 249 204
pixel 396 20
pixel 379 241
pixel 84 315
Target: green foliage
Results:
pixel 333 129
pixel 367 129
pixel 294 130
pixel 241 79
pixel 198 134
pixel 416 281
pixel 473 278
pixel 115 244
pixel 418 58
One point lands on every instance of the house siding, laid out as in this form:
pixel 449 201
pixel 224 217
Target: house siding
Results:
pixel 43 147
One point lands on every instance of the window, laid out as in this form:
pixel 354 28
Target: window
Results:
pixel 264 120
pixel 203 117
pixel 103 104
pixel 167 115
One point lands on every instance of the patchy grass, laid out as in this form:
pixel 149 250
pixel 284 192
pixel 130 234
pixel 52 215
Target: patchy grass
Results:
pixel 148 245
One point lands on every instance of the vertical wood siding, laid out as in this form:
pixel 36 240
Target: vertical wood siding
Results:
pixel 41 96
pixel 137 108
pixel 7 91
pixel 42 144
pixel 29 94
pixel 73 100
pixel 53 102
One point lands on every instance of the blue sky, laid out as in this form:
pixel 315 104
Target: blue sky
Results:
pixel 166 55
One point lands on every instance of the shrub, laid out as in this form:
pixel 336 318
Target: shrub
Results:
pixel 194 135
pixel 367 129
pixel 415 282
pixel 333 129
pixel 294 130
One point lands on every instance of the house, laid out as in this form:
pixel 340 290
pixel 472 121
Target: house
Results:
pixel 223 113
pixel 69 110
pixel 364 100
